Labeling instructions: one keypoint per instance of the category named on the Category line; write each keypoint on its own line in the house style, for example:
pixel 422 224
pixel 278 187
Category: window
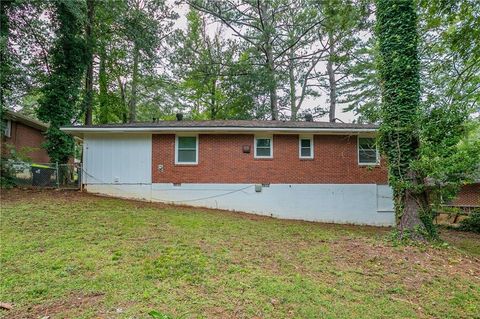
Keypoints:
pixel 306 147
pixel 7 128
pixel 263 147
pixel 367 151
pixel 186 150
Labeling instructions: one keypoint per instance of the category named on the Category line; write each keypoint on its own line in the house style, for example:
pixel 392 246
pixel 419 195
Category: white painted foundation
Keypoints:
pixel 366 204
pixel 120 165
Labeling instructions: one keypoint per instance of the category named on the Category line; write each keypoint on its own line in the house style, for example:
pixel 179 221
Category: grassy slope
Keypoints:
pixel 72 255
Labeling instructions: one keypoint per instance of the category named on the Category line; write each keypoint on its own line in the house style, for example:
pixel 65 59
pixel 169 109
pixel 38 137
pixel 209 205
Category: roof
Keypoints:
pixel 224 126
pixel 31 122
pixel 232 124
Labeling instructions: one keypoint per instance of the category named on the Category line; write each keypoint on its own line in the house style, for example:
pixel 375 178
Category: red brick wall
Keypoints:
pixel 26 136
pixel 469 195
pixel 221 160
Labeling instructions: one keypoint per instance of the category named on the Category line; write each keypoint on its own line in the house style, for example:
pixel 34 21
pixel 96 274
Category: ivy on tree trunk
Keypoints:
pixel 399 132
pixel 61 92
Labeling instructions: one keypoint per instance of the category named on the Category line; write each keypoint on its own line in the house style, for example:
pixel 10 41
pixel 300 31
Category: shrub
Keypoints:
pixel 8 168
pixel 471 223
pixel 7 173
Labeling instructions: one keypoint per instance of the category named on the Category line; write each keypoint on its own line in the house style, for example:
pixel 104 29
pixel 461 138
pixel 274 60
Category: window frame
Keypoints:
pixel 177 149
pixel 7 130
pixel 262 137
pixel 312 152
pixel 377 161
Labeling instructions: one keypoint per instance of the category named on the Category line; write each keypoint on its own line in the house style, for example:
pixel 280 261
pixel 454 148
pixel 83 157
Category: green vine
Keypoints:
pixel 61 92
pixel 399 134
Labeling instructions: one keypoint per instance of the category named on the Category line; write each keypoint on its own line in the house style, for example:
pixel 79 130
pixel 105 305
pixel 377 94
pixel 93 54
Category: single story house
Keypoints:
pixel 315 171
pixel 24 133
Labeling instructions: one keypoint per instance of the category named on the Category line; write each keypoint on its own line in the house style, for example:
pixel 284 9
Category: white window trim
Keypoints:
pixel 376 163
pixel 255 145
pixel 196 149
pixel 8 128
pixel 305 137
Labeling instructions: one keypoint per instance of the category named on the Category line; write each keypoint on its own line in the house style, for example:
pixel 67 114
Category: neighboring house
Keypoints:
pixel 314 171
pixel 468 198
pixel 24 133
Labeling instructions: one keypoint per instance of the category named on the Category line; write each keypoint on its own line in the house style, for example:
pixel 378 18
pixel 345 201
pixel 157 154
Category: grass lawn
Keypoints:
pixel 74 255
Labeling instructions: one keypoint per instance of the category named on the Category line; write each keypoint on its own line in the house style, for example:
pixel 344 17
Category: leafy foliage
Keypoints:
pixel 10 157
pixel 61 92
pixel 471 223
pixel 361 93
pixel 432 147
pixel 399 131
pixel 216 79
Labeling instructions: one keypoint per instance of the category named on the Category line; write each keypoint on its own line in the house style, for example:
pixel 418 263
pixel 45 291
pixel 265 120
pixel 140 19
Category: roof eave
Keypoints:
pixel 80 131
pixel 15 116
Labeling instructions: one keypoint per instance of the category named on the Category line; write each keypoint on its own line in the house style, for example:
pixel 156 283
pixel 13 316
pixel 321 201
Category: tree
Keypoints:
pixel 399 131
pixel 301 62
pixel 345 23
pixel 260 25
pixel 360 92
pixel 145 25
pixel 450 81
pixel 25 42
pixel 431 146
pixel 90 44
pixel 110 104
pixel 5 63
pixel 211 73
pixel 201 65
pixel 61 92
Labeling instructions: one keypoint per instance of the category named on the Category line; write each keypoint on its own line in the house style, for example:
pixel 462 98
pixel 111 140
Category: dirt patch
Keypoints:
pixel 413 265
pixel 74 303
pixel 23 194
pixel 454 236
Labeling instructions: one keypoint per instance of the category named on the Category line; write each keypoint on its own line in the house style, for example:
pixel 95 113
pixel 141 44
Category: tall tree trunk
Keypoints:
pixel 411 204
pixel 89 76
pixel 213 101
pixel 133 101
pixel 103 88
pixel 332 84
pixel 123 98
pixel 399 71
pixel 293 92
pixel 5 63
pixel 273 85
pixel 409 217
pixel 270 63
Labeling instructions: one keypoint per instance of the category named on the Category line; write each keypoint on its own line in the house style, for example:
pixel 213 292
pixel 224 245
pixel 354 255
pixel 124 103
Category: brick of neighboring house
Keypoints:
pixel 22 136
pixel 469 196
pixel 221 160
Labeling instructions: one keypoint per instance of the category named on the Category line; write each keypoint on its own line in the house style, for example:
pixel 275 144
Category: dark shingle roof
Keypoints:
pixel 19 117
pixel 235 124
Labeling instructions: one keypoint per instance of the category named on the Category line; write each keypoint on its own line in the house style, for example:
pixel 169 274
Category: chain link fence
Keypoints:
pixel 63 176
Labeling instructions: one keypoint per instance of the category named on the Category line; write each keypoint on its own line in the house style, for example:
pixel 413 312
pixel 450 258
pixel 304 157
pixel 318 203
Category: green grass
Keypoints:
pixel 71 255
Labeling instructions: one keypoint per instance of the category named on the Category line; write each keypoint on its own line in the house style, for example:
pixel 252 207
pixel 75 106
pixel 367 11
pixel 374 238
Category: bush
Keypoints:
pixel 8 160
pixel 7 173
pixel 471 223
